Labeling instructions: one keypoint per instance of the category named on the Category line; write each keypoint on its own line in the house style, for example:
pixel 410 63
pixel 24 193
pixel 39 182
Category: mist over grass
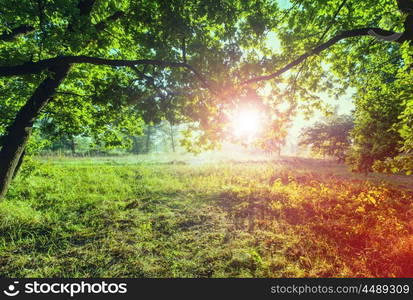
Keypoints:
pixel 214 215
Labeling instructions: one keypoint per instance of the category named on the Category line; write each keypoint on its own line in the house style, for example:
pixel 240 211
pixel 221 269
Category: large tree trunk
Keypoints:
pixel 18 134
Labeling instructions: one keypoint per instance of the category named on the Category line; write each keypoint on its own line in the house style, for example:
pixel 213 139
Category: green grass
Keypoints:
pixel 145 217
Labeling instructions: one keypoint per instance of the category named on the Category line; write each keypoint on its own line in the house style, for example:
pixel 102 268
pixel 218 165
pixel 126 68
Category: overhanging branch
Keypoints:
pixel 322 47
pixel 39 66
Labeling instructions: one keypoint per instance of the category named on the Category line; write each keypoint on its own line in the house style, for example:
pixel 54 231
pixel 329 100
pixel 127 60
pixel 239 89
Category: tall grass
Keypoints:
pixel 129 218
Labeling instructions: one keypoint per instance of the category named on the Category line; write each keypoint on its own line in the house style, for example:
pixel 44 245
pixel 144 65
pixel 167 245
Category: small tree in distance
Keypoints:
pixel 330 138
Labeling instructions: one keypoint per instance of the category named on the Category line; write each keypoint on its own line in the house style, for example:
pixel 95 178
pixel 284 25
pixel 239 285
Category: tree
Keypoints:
pixel 377 133
pixel 330 138
pixel 51 42
pixel 274 137
pixel 132 50
pixel 168 132
pixel 172 136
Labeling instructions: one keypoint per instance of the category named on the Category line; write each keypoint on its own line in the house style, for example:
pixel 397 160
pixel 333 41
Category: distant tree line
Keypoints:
pixel 372 140
pixel 160 137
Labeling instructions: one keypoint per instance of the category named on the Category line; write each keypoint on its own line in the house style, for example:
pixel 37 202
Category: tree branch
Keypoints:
pixel 344 35
pixel 41 65
pixel 333 20
pixel 405 6
pixel 330 25
pixel 71 94
pixel 85 7
pixel 9 36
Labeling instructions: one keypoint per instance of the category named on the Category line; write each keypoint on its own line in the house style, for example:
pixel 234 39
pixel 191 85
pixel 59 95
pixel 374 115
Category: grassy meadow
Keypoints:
pixel 155 216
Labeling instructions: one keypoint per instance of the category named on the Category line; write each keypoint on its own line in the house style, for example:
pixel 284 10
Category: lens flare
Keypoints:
pixel 246 123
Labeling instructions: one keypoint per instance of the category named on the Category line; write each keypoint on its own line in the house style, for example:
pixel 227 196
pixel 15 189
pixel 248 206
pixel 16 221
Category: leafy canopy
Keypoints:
pixel 226 45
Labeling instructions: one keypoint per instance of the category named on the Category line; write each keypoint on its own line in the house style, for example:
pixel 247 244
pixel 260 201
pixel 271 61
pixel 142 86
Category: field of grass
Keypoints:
pixel 154 217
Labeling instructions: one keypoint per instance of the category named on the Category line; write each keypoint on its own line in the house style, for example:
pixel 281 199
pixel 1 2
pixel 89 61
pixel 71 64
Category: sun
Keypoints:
pixel 246 123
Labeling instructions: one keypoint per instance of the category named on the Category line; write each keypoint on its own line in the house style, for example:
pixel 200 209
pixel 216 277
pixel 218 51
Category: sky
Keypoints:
pixel 284 3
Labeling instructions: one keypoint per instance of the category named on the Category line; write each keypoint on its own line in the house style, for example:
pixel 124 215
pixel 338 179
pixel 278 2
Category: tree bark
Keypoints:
pixel 18 133
pixel 19 164
pixel 21 30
